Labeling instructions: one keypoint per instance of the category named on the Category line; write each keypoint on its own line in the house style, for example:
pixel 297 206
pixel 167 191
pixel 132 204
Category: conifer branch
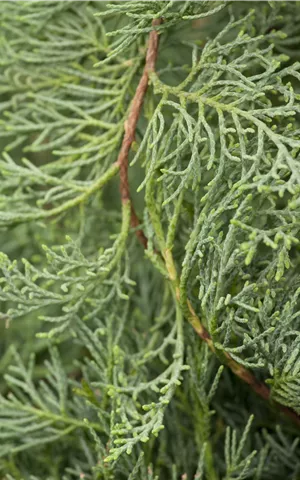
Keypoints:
pixel 131 123
pixel 260 388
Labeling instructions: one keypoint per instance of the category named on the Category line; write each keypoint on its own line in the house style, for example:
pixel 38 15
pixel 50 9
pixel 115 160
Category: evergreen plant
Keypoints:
pixel 150 261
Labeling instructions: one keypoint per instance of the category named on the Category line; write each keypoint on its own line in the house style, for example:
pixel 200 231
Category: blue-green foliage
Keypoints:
pixel 102 376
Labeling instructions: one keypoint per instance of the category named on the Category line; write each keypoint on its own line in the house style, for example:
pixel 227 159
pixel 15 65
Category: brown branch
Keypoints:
pixel 130 127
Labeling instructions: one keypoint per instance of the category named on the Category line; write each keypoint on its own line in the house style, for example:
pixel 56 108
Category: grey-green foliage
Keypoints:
pixel 121 387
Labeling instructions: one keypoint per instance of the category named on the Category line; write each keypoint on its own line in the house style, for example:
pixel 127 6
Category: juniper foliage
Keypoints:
pixel 102 374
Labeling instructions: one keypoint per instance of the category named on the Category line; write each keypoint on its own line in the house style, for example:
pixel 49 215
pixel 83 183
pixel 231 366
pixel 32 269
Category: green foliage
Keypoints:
pixel 102 376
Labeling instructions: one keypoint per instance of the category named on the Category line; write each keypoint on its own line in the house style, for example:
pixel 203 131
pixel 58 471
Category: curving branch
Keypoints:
pixel 130 127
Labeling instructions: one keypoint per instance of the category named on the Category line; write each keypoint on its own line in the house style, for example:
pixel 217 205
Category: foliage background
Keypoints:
pixel 101 375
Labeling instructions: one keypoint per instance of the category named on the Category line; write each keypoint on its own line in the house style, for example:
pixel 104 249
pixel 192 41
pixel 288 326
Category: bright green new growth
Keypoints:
pixel 103 377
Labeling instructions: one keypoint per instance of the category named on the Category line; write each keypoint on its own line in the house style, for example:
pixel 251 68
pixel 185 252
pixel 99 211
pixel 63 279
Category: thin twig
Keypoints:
pixel 130 127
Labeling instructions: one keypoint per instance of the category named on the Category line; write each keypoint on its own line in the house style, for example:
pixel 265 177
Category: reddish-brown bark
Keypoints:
pixel 130 127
